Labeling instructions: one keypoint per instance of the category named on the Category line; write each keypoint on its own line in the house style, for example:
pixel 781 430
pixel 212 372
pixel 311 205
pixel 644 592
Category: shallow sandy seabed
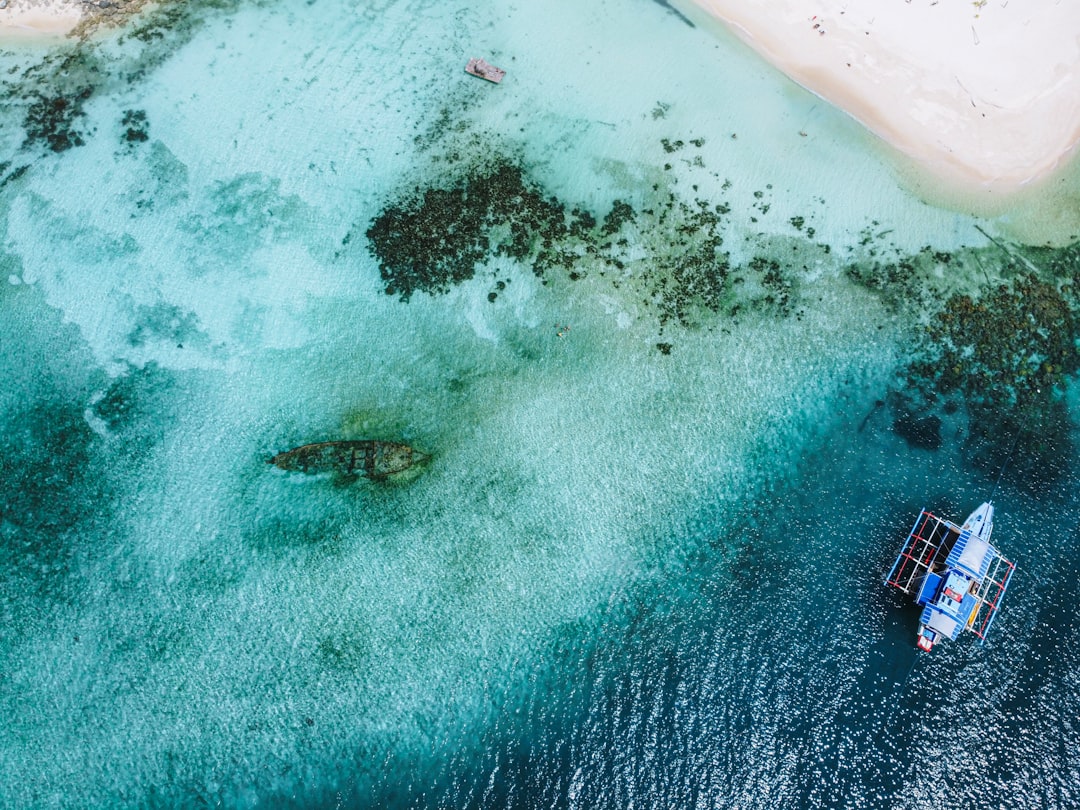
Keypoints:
pixel 979 100
pixel 982 98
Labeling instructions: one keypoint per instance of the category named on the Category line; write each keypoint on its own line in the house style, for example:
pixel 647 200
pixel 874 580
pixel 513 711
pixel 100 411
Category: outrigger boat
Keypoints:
pixel 955 573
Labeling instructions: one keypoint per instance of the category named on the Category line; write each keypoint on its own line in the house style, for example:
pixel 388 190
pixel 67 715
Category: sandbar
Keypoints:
pixel 984 95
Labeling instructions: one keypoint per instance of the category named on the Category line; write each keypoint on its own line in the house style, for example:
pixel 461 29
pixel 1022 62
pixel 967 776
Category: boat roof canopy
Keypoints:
pixel 971 555
pixel 940 623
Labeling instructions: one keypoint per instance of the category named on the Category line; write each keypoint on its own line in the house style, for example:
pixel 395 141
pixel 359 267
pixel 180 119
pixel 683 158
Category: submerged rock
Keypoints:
pixel 369 458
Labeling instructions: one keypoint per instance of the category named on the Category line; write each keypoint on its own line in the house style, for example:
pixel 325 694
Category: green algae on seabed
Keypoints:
pixel 53 91
pixel 1002 351
pixel 431 239
pixel 670 253
pixel 997 341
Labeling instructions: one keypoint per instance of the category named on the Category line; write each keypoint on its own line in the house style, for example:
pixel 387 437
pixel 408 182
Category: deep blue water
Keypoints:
pixel 774 670
pixel 685 385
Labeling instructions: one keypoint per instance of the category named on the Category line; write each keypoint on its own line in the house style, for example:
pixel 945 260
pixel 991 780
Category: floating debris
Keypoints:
pixel 369 458
pixel 478 67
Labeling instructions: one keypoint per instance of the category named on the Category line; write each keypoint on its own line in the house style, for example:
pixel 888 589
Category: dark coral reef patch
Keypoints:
pixel 136 128
pixel 54 120
pixel 996 363
pixel 672 250
pixel 438 237
pixel 1011 347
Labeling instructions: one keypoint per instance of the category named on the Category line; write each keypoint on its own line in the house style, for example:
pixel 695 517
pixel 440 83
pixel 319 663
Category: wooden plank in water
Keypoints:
pixel 478 67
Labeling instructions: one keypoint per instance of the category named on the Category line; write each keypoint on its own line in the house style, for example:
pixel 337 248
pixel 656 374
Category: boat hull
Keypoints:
pixel 366 457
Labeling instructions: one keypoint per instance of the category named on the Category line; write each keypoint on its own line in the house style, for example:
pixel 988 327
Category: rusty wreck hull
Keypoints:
pixel 369 458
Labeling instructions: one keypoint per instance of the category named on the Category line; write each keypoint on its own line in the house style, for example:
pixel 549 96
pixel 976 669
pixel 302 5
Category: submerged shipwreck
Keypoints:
pixel 367 457
pixel 955 573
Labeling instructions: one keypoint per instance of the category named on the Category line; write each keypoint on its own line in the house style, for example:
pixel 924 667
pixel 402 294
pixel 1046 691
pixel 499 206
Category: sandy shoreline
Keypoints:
pixel 986 97
pixel 28 20
pixel 51 21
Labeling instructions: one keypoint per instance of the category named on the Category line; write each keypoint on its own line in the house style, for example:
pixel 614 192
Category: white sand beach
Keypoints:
pixel 985 95
pixel 39 19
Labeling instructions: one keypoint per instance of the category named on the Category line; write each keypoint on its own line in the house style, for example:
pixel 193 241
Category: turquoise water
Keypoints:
pixel 688 361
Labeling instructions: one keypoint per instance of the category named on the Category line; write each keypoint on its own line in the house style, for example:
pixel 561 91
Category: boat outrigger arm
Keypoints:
pixel 955 573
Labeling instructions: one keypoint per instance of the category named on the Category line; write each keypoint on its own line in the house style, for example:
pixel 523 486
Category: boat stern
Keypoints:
pixel 927 637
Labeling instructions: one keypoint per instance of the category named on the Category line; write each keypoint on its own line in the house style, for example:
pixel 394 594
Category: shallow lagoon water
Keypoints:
pixel 643 564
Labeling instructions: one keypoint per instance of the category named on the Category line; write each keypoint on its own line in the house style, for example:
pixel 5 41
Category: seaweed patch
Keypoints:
pixel 1012 347
pixel 135 126
pixel 55 120
pixel 668 252
pixel 438 237
pixel 166 324
pixel 993 364
pixel 51 94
